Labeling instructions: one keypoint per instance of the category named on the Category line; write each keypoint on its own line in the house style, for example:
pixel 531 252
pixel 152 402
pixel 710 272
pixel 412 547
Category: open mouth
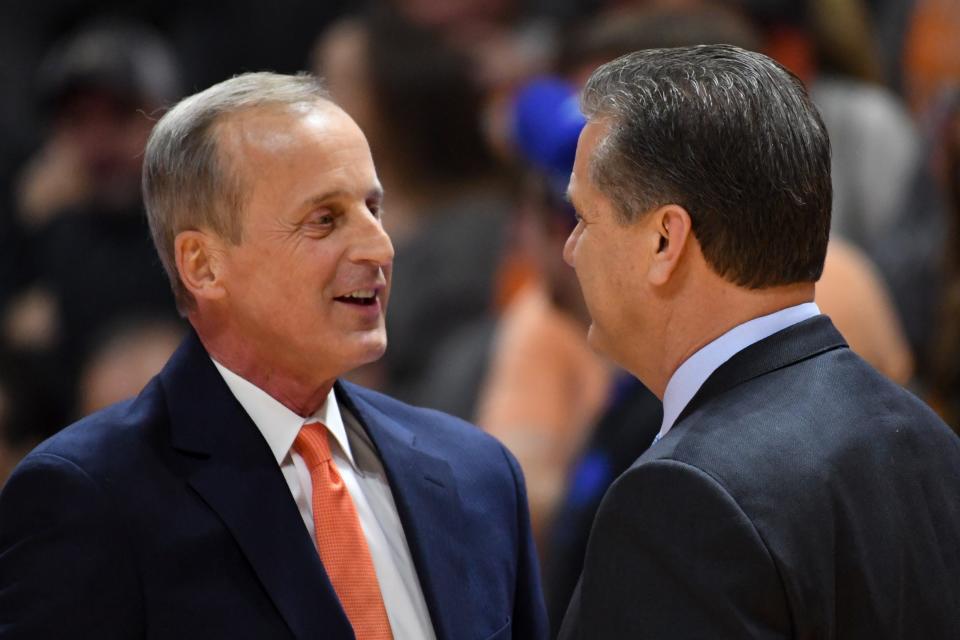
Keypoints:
pixel 362 297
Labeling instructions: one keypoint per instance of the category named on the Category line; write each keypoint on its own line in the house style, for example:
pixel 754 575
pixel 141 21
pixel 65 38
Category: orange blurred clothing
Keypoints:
pixel 544 389
pixel 932 51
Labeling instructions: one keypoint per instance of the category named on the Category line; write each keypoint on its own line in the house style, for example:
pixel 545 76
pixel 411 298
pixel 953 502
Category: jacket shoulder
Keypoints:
pixel 109 437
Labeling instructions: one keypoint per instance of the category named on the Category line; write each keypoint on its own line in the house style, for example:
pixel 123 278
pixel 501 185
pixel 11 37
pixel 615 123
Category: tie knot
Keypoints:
pixel 313 445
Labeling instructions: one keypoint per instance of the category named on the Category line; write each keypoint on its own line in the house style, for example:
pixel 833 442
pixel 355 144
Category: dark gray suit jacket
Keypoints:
pixel 800 495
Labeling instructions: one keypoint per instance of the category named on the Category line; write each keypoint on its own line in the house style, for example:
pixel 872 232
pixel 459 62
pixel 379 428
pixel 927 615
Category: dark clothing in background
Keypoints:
pixel 911 257
pixel 12 247
pixel 443 290
pixel 100 266
pixel 800 495
pixel 625 431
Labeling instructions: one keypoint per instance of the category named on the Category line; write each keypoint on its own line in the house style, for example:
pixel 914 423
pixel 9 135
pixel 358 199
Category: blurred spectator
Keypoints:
pixel 545 386
pixel 830 45
pixel 932 52
pixel 852 293
pixel 915 254
pixel 891 20
pixel 33 406
pixel 418 101
pixel 844 41
pixel 614 33
pixel 572 420
pixel 456 17
pixel 507 40
pixel 98 86
pixel 876 157
pixel 876 152
pixel 626 428
pixel 10 230
pixel 945 352
pixel 129 355
pixel 87 257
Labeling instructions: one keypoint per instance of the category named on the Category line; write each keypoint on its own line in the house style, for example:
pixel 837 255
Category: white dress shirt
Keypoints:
pixel 690 376
pixel 365 479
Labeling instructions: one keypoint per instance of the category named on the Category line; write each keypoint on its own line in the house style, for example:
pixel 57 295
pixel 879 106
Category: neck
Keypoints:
pixel 300 392
pixel 690 327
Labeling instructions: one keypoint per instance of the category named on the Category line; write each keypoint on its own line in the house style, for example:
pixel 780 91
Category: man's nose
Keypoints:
pixel 373 244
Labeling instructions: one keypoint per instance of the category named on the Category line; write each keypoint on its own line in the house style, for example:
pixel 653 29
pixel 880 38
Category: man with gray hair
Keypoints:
pixel 792 491
pixel 247 492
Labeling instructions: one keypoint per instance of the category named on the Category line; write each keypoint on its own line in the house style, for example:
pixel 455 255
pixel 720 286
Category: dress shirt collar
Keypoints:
pixel 690 376
pixel 278 424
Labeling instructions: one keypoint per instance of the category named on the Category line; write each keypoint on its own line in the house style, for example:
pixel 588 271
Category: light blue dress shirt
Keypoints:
pixel 690 376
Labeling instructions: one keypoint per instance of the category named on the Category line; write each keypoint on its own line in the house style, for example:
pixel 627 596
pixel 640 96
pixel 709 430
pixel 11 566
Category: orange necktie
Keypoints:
pixel 340 540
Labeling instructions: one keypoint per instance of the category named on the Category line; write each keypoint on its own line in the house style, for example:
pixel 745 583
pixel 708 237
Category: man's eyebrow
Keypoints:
pixel 375 193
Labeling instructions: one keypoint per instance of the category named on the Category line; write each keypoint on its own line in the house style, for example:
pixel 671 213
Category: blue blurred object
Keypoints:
pixel 546 125
pixel 591 478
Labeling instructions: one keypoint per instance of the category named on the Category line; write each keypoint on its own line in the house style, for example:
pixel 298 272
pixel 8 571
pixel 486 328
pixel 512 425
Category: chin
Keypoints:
pixel 603 345
pixel 370 349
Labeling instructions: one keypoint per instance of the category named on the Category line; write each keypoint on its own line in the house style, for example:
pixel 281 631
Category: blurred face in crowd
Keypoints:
pixel 543 227
pixel 607 256
pixel 122 366
pixel 109 134
pixel 341 60
pixel 454 14
pixel 307 286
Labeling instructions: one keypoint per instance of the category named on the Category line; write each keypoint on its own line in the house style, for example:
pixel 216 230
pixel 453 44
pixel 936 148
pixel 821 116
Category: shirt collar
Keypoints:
pixel 278 424
pixel 690 376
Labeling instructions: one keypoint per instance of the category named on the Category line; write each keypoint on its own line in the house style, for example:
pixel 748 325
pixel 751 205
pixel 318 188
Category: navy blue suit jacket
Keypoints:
pixel 166 516
pixel 799 495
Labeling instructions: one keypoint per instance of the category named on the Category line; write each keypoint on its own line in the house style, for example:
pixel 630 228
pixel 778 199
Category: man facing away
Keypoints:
pixel 246 492
pixel 792 491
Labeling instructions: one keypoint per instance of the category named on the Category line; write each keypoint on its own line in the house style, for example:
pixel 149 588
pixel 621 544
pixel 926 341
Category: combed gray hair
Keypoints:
pixel 187 184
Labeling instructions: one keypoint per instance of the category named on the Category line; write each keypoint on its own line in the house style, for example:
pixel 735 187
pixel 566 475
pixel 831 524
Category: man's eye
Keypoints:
pixel 320 222
pixel 374 208
pixel 321 218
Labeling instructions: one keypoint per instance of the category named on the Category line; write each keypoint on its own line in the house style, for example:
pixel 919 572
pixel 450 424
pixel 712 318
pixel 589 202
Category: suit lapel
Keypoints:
pixel 428 504
pixel 801 341
pixel 232 469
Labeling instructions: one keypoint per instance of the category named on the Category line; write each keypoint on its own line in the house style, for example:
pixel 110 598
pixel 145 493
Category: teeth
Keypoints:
pixel 362 294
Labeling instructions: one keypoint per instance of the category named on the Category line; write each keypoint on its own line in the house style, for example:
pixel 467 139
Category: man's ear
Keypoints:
pixel 199 263
pixel 674 229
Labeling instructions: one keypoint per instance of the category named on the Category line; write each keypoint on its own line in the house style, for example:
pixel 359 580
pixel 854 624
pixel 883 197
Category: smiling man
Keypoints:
pixel 246 492
pixel 792 491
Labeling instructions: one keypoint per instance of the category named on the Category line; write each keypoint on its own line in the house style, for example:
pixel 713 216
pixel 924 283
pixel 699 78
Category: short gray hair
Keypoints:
pixel 186 182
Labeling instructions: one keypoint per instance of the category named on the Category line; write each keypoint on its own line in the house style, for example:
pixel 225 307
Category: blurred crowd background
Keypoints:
pixel 470 107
